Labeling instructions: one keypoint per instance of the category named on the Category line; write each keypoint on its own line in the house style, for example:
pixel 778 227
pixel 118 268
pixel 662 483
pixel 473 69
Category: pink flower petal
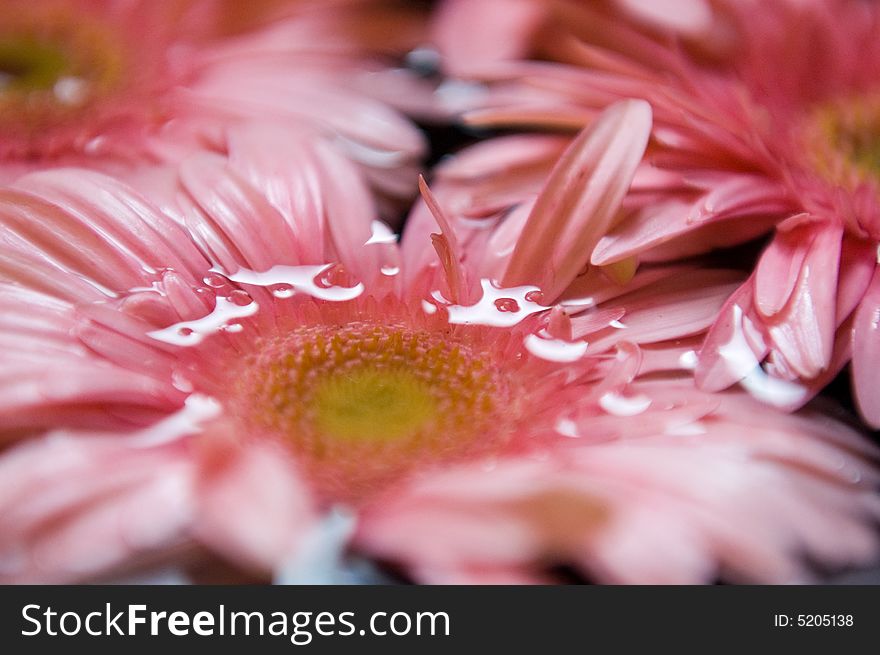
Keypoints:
pixel 447 248
pixel 131 229
pixel 734 346
pixel 63 522
pixel 779 266
pixel 713 501
pixel 580 200
pixel 866 353
pixel 742 204
pixel 692 17
pixel 253 507
pixel 804 331
pixel 460 30
pixel 231 209
pixel 670 309
pixel 857 262
pixel 502 155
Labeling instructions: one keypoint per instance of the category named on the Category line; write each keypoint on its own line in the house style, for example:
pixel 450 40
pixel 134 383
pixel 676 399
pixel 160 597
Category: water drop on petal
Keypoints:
pixel 555 350
pixel 381 233
pixel 283 291
pixel 240 298
pixel 535 295
pixel 688 360
pixel 567 428
pixel 214 280
pixel 507 305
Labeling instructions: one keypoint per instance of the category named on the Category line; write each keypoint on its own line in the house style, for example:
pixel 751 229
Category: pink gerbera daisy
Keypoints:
pixel 170 390
pixel 767 116
pixel 117 85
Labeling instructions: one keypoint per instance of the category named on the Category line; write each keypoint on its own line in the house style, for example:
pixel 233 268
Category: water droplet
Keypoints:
pixel 71 91
pixel 215 281
pixel 197 410
pixel 507 305
pixel 240 298
pixel 190 333
pixel 95 146
pixel 181 383
pixel 512 309
pixel 688 429
pixel 619 405
pixel 688 360
pixel 742 362
pixel 328 277
pixel 535 296
pixel 283 291
pixel 737 353
pixel 771 390
pixel 429 307
pixel 390 271
pixel 617 325
pixel 232 327
pixel 567 428
pixel 381 233
pixel 318 281
pixel 555 350
pixel 580 304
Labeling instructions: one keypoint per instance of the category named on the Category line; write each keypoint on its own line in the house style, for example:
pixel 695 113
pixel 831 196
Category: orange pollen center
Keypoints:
pixel 360 404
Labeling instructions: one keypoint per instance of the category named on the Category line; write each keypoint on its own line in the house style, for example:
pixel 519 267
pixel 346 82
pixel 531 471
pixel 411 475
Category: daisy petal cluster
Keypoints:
pixel 765 122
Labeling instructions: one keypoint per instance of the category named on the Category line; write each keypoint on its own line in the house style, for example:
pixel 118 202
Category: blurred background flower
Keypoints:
pixel 765 118
pixel 123 86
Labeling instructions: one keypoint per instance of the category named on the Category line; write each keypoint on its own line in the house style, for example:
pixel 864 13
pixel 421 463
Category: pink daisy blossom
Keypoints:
pixel 118 86
pixel 215 381
pixel 767 117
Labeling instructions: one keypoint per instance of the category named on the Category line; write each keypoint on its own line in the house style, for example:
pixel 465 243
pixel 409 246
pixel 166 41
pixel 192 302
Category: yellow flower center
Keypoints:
pixel 26 64
pixel 367 404
pixel 844 138
pixel 359 404
pixel 54 68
